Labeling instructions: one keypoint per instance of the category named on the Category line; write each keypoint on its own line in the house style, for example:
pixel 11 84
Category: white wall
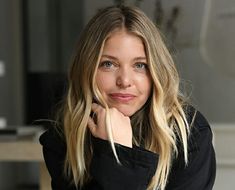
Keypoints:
pixel 224 140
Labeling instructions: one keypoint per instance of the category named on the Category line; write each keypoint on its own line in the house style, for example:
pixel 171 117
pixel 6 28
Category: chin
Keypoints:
pixel 126 112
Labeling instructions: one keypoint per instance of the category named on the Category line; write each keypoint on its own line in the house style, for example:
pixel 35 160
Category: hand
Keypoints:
pixel 120 125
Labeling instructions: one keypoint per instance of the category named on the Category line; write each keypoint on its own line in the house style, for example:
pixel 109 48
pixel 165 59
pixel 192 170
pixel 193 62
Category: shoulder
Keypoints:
pixel 196 119
pixel 200 133
pixel 201 156
pixel 53 139
pixel 199 142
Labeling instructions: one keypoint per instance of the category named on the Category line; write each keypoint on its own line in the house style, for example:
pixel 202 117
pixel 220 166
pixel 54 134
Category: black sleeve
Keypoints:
pixel 54 151
pixel 134 173
pixel 199 174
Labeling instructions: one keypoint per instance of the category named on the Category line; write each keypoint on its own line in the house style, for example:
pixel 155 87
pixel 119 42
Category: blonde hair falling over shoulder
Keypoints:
pixel 166 120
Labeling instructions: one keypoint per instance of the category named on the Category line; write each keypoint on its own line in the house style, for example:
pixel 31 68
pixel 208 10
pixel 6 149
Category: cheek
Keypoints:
pixel 145 85
pixel 104 81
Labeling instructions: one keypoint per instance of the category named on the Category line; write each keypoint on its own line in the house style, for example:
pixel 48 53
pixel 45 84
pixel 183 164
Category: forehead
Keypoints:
pixel 121 40
pixel 122 32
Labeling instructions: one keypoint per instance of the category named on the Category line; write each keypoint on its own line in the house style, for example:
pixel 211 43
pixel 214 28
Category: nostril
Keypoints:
pixel 124 78
pixel 119 82
pixel 123 83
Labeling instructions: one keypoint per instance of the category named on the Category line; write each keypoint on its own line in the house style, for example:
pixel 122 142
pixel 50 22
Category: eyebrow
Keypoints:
pixel 115 58
pixel 109 57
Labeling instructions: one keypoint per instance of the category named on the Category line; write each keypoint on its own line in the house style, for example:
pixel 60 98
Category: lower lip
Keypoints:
pixel 124 99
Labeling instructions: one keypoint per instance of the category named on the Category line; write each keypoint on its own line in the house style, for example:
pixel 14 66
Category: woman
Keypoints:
pixel 125 123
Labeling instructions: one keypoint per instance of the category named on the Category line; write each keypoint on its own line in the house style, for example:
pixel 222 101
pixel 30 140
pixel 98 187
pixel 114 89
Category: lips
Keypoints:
pixel 121 97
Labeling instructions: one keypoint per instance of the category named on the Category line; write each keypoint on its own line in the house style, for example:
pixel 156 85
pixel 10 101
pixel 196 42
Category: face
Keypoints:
pixel 123 77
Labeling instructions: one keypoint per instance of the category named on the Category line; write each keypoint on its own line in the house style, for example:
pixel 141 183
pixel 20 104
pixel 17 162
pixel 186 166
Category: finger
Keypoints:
pixel 94 117
pixel 92 126
pixel 96 107
pixel 97 113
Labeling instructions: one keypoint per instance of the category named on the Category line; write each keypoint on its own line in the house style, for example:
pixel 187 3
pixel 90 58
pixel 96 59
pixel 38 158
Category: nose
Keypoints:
pixel 124 78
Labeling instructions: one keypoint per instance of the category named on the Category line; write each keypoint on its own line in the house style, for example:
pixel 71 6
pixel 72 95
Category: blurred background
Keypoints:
pixel 37 38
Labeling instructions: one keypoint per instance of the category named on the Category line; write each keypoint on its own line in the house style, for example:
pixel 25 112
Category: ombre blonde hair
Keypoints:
pixel 156 131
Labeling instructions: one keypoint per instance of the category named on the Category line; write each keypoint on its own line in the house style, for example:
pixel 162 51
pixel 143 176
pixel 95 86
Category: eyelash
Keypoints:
pixel 104 64
pixel 142 64
pixel 110 64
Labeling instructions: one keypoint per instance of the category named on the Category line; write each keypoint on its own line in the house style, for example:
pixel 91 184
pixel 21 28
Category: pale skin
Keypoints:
pixel 125 83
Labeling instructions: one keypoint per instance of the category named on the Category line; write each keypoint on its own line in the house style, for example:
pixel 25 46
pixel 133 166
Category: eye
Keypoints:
pixel 141 65
pixel 106 64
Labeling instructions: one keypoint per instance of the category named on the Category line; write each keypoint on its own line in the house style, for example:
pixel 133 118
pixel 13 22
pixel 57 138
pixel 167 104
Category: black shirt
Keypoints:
pixel 138 165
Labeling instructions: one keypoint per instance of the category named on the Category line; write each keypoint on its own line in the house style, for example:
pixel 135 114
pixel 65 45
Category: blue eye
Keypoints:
pixel 141 65
pixel 106 64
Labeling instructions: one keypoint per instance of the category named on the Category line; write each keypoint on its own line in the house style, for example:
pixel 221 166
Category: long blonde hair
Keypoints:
pixel 165 121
